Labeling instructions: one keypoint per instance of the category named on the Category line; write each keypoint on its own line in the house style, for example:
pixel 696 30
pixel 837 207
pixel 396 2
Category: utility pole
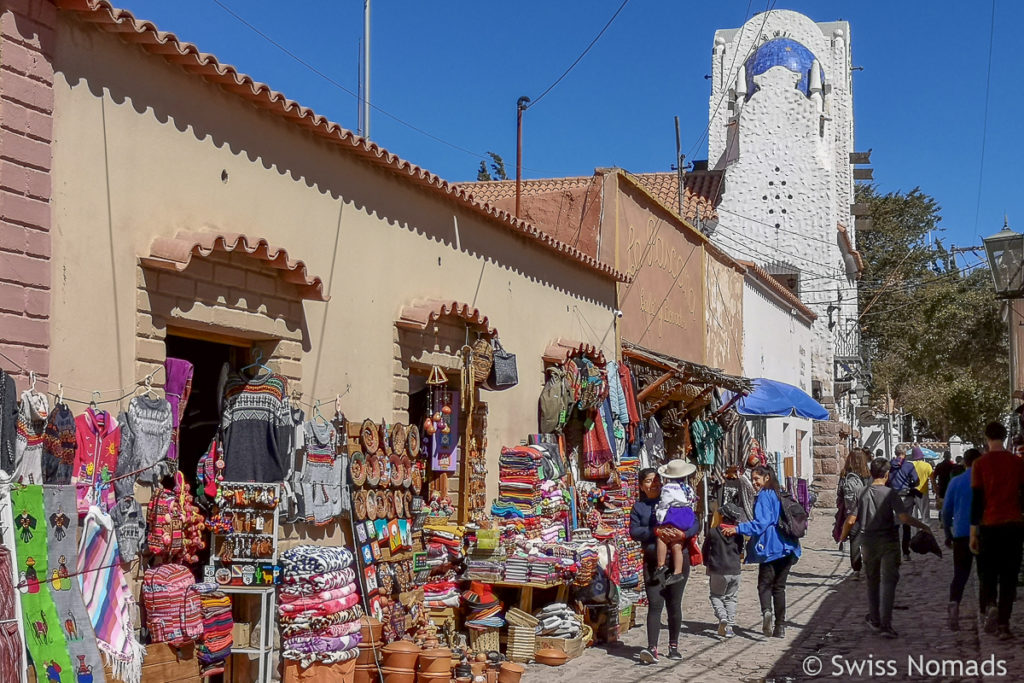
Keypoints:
pixel 521 105
pixel 366 69
pixel 680 170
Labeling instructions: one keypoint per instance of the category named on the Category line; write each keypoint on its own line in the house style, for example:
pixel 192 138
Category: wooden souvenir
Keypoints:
pixel 399 439
pixel 357 468
pixel 369 437
pixel 413 440
pixel 397 475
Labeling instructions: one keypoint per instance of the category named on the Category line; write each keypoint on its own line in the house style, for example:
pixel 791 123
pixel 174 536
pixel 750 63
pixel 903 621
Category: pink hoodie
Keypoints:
pixel 99 439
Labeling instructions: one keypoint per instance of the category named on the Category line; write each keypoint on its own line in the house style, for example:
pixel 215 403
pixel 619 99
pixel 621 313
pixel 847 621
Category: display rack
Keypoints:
pixel 268 609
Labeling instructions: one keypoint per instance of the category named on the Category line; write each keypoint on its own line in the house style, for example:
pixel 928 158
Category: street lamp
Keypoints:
pixel 1006 261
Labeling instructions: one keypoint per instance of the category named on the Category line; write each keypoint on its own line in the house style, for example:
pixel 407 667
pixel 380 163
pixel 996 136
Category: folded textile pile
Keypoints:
pixel 214 646
pixel 441 594
pixel 484 565
pixel 557 620
pixel 444 545
pixel 517 568
pixel 319 605
pixel 519 493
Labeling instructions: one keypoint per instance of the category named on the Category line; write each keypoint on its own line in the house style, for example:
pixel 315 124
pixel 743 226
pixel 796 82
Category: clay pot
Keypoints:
pixel 401 655
pixel 434 677
pixel 551 657
pixel 366 673
pixel 368 653
pixel 398 676
pixel 437 660
pixel 510 672
pixel 478 668
pixel 371 629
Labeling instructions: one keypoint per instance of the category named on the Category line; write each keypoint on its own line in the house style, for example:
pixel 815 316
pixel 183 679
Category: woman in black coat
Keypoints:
pixel 642 525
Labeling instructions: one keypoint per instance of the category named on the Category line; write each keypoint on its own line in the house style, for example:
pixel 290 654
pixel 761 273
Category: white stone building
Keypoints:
pixel 781 130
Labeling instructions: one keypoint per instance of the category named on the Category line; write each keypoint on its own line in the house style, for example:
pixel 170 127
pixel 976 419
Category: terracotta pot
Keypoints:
pixel 366 673
pixel 371 629
pixel 510 672
pixel 368 653
pixel 478 668
pixel 401 655
pixel 551 657
pixel 437 660
pixel 434 677
pixel 398 676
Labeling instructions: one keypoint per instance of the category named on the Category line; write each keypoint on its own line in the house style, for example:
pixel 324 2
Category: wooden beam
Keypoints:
pixel 653 386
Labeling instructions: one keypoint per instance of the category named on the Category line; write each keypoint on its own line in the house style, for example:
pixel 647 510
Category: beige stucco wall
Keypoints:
pixel 141 149
pixel 723 292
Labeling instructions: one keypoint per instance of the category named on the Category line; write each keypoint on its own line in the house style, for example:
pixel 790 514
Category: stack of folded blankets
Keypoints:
pixel 519 493
pixel 586 561
pixel 554 498
pixel 441 594
pixel 517 568
pixel 319 606
pixel 444 545
pixel 215 644
pixel 557 620
pixel 485 565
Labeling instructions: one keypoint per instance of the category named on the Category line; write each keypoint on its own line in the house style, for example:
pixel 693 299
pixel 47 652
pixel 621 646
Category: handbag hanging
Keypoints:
pixel 504 374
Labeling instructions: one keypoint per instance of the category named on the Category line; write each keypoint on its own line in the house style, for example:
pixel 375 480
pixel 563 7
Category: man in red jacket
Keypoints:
pixel 997 528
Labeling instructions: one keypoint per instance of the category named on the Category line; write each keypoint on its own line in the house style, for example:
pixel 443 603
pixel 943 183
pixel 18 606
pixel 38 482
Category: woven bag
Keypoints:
pixel 483 359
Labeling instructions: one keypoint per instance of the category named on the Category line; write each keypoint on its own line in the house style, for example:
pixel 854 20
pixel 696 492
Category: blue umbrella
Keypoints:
pixel 778 399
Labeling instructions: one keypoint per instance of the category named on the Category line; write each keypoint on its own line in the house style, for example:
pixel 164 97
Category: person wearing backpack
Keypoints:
pixel 879 509
pixel 904 481
pixel 774 545
pixel 855 477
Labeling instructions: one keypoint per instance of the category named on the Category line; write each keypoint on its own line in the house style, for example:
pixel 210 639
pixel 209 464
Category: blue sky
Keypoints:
pixel 456 69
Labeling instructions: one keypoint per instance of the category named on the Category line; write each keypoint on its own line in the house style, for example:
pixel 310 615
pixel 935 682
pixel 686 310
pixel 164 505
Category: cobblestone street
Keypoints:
pixel 826 620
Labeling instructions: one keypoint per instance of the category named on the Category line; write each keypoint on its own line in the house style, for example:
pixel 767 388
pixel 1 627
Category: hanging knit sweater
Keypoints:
pixel 145 437
pixel 322 471
pixel 59 445
pixel 254 428
pixel 28 451
pixel 8 421
pixel 98 438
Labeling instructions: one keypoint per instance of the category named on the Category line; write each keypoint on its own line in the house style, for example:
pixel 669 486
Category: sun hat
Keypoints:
pixel 677 469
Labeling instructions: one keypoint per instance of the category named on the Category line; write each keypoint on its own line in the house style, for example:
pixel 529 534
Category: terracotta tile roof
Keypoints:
pixel 783 293
pixel 560 350
pixel 419 314
pixel 701 190
pixel 106 17
pixel 175 253
pixel 844 234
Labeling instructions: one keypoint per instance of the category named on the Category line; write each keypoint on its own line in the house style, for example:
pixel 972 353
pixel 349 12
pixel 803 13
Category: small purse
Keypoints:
pixel 504 373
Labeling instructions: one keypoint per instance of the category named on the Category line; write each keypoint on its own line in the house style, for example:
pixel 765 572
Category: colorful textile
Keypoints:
pixel 177 388
pixel 255 428
pixel 8 421
pixel 46 641
pixel 317 582
pixel 309 559
pixel 323 471
pixel 215 644
pixel 705 434
pixel 98 438
pixel 28 449
pixel 59 445
pixel 62 560
pixel 108 599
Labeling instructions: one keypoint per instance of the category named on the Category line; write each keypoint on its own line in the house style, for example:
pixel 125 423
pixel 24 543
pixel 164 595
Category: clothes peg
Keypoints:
pixel 32 379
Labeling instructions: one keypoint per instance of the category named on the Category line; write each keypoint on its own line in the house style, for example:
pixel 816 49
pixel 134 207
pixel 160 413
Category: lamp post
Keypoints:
pixel 1005 251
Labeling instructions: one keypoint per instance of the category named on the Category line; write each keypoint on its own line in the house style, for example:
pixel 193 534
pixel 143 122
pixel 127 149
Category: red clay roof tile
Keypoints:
pixel 419 314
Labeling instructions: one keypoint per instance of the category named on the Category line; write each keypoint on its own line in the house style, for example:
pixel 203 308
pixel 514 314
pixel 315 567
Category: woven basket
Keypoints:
pixel 483 359
pixel 484 639
pixel 517 617
pixel 522 644
pixel 573 647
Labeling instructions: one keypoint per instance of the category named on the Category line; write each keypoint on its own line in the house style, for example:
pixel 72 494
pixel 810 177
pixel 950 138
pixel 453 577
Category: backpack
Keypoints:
pixel 792 517
pixel 555 401
pixel 593 387
pixel 173 606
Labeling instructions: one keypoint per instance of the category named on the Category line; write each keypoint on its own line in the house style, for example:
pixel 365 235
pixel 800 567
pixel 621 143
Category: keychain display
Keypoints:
pixel 244 527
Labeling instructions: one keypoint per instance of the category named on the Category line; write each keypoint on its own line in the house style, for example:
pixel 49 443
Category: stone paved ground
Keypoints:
pixel 826 620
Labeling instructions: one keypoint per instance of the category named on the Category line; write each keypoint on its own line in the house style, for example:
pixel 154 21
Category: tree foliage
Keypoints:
pixel 497 169
pixel 932 329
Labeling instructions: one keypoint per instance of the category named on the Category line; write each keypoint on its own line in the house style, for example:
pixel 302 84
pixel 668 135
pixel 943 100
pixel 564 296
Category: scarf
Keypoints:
pixel 108 598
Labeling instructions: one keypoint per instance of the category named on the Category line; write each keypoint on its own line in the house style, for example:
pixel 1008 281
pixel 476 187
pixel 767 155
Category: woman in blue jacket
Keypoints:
pixel 775 553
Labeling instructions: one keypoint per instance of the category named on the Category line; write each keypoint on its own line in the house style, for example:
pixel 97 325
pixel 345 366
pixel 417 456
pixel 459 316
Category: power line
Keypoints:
pixel 341 87
pixel 906 286
pixel 984 125
pixel 582 55
pixel 770 246
pixel 771 225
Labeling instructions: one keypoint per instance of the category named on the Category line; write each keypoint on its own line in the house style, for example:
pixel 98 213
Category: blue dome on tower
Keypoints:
pixel 781 52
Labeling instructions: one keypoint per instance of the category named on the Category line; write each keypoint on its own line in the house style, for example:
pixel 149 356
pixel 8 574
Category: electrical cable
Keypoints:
pixel 582 55
pixel 984 125
pixel 773 226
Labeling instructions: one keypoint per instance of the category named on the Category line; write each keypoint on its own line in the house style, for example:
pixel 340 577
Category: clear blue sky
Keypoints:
pixel 456 69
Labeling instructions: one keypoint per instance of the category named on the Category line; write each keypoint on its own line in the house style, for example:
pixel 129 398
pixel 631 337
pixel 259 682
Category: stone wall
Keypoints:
pixel 26 132
pixel 830 451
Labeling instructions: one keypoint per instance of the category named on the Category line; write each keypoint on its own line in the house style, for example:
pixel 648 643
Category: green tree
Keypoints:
pixel 933 332
pixel 497 170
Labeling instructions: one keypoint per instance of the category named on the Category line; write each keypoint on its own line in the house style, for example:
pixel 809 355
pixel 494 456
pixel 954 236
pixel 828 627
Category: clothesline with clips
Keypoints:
pixel 49 579
pixel 96 395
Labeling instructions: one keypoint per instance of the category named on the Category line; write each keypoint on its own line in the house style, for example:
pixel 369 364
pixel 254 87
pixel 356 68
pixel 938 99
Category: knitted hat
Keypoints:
pixel 130 527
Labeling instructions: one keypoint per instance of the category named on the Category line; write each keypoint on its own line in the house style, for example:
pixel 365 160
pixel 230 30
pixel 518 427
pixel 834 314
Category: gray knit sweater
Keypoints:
pixel 145 437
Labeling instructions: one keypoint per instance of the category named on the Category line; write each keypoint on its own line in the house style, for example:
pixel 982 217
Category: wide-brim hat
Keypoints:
pixel 677 469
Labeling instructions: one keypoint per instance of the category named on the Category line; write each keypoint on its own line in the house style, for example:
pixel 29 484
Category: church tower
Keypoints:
pixel 781 131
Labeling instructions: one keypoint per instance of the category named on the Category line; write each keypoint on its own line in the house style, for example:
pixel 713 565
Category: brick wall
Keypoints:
pixel 26 125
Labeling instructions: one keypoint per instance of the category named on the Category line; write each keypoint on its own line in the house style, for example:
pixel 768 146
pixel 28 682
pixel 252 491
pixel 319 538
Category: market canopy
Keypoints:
pixel 778 399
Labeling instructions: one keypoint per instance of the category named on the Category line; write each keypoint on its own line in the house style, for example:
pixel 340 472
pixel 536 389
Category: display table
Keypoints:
pixel 526 592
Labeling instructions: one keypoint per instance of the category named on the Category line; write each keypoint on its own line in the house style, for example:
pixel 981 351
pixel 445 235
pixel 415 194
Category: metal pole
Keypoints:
pixel 366 68
pixel 679 169
pixel 520 108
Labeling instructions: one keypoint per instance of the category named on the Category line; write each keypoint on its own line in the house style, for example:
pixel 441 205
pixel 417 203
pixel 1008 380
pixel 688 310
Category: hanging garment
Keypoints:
pixel 130 527
pixel 98 440
pixel 8 421
pixel 28 450
pixel 705 434
pixel 11 646
pixel 321 479
pixel 254 428
pixel 654 440
pixel 59 445
pixel 177 388
pixel 628 384
pixel 288 508
pixel 108 599
pixel 44 635
pixel 616 393
pixel 146 431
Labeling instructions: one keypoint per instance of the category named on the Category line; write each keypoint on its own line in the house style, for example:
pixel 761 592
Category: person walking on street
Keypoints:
pixel 956 521
pixel 773 552
pixel 924 476
pixel 958 467
pixel 903 480
pixel 722 558
pixel 941 475
pixel 643 528
pixel 997 532
pixel 878 510
pixel 854 478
